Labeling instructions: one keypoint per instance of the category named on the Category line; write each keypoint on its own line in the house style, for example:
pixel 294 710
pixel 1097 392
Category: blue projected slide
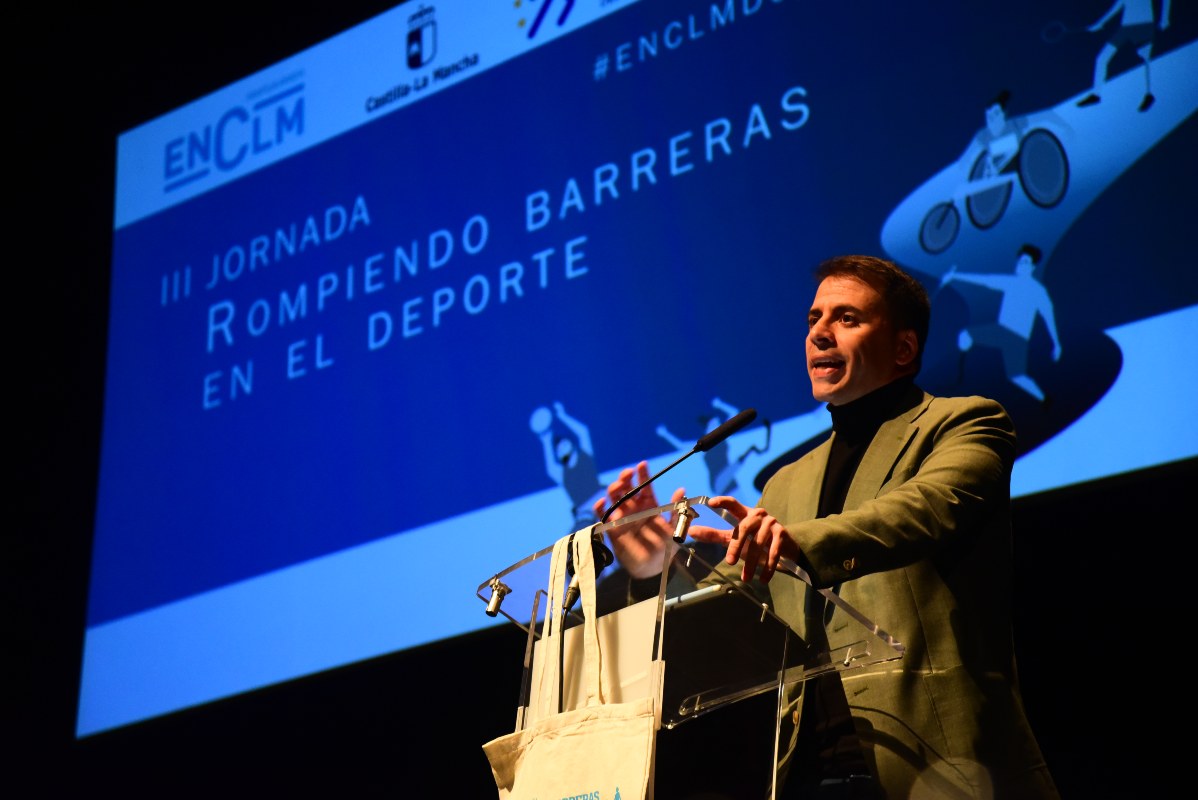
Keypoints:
pixel 387 315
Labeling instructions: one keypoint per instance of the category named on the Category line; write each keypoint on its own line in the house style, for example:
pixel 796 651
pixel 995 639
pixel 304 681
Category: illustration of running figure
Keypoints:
pixel 1023 298
pixel 569 459
pixel 721 468
pixel 1137 28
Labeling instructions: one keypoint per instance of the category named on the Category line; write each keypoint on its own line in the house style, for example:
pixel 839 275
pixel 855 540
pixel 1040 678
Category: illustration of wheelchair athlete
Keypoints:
pixel 1002 153
pixel 722 467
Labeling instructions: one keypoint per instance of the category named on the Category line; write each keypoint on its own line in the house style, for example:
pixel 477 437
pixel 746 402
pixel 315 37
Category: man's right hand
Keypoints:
pixel 643 546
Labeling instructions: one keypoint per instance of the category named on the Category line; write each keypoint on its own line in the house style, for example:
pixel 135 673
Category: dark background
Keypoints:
pixel 1099 628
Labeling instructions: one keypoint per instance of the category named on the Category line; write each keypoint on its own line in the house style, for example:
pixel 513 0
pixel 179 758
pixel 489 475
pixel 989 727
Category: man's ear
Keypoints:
pixel 908 347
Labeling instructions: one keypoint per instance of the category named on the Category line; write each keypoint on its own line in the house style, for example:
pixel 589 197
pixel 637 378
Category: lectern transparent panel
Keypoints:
pixel 719 637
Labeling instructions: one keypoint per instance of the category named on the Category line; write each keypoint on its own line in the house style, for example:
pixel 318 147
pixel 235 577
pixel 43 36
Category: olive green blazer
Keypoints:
pixel 923 549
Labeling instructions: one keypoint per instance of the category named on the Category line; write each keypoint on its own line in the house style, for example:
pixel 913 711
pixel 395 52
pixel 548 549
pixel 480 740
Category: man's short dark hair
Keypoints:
pixel 905 298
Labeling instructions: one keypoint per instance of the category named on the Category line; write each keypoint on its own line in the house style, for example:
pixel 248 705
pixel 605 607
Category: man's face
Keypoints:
pixel 852 345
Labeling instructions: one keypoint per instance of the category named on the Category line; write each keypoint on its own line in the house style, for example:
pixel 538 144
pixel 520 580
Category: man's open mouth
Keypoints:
pixel 823 366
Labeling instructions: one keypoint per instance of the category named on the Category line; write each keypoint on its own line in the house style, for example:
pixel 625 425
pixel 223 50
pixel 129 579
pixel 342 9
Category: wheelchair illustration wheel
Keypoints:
pixel 987 206
pixel 1043 168
pixel 939 228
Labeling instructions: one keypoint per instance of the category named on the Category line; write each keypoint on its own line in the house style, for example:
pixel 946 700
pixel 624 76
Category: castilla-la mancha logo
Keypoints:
pixel 422 37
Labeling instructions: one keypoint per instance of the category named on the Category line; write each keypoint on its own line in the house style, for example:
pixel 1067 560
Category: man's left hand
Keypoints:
pixel 758 540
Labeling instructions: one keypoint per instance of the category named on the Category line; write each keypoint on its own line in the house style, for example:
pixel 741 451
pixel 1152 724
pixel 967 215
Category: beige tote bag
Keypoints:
pixel 599 751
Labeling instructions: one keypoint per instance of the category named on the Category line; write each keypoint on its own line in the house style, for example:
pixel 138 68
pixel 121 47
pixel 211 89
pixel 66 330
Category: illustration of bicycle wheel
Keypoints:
pixel 939 228
pixel 1043 168
pixel 987 206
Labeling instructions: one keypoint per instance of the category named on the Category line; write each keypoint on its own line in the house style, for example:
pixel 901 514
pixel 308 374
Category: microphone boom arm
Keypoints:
pixel 705 443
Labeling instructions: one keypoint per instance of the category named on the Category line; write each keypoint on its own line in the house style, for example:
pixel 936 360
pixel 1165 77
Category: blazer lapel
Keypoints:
pixel 811 481
pixel 889 444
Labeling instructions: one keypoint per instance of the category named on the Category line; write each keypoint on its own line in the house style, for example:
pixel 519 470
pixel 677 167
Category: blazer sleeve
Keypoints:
pixel 931 482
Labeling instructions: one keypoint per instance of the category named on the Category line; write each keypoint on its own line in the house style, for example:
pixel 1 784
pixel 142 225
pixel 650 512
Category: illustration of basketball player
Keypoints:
pixel 569 458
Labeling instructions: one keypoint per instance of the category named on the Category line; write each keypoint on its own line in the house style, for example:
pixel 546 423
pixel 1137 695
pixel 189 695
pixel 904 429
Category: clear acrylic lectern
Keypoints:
pixel 717 641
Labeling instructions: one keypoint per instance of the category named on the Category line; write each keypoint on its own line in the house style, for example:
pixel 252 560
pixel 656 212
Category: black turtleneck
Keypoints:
pixel 854 425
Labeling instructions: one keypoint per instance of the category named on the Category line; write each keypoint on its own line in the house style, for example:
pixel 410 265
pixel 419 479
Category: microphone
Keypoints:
pixel 730 426
pixel 603 556
pixel 705 443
